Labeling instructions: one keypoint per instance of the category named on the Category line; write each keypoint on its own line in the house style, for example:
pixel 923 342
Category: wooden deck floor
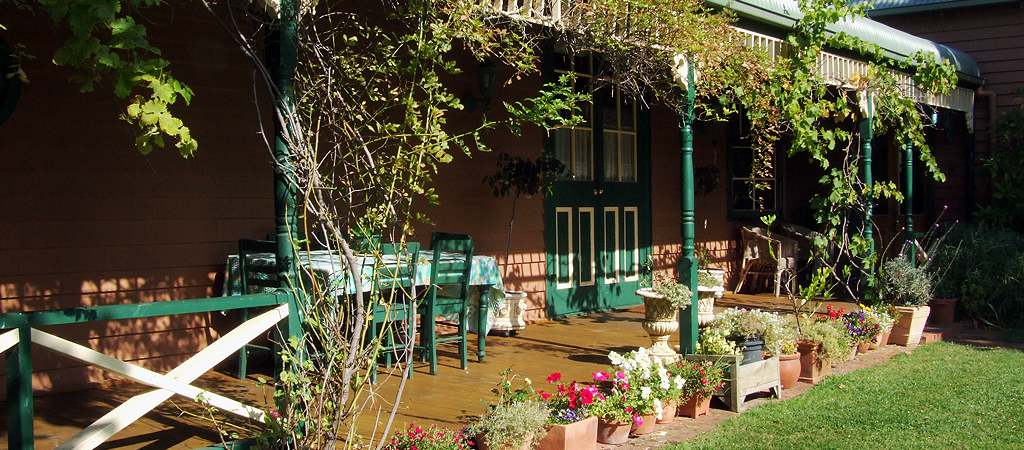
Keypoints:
pixel 574 346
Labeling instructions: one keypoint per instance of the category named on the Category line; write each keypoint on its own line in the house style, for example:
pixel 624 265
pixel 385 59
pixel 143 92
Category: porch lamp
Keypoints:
pixel 485 73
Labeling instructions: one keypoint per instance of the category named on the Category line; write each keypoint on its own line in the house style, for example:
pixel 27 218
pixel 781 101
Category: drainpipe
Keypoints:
pixel 283 58
pixel 908 201
pixel 688 263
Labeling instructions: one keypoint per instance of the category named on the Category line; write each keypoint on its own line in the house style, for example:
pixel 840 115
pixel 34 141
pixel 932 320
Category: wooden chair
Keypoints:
pixel 391 304
pixel 450 268
pixel 254 278
pixel 765 255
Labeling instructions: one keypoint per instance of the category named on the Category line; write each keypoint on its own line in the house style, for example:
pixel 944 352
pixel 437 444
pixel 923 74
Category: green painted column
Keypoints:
pixel 282 59
pixel 866 135
pixel 688 263
pixel 908 201
pixel 20 413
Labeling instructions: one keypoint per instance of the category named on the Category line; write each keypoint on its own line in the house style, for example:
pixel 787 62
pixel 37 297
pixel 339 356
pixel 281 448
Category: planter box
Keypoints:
pixel 745 379
pixel 812 368
pixel 907 330
pixel 581 435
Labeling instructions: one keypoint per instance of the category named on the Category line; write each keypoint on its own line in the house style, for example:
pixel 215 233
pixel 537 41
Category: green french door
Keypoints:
pixel 597 218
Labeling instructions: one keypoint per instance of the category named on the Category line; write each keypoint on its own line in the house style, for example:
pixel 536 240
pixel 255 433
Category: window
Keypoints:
pixel 750 194
pixel 618 118
pixel 574 147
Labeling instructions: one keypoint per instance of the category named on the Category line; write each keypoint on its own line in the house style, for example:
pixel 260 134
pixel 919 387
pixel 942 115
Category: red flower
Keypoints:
pixel 554 377
pixel 544 395
pixel 587 396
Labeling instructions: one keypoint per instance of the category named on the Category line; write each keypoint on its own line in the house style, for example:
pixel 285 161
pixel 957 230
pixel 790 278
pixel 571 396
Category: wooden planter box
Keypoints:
pixel 745 379
pixel 581 435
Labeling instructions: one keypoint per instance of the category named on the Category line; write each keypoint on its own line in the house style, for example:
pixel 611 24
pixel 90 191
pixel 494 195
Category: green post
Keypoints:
pixel 688 263
pixel 285 215
pixel 866 135
pixel 19 392
pixel 908 201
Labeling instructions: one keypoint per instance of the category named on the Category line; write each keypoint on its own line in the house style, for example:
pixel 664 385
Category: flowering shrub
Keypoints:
pixel 432 438
pixel 736 325
pixel 715 341
pixel 700 378
pixel 883 315
pixel 570 402
pixel 860 328
pixel 637 385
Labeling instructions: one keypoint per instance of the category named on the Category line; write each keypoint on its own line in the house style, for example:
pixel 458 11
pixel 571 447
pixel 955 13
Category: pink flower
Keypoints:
pixel 638 421
pixel 275 414
pixel 620 375
pixel 554 377
pixel 600 375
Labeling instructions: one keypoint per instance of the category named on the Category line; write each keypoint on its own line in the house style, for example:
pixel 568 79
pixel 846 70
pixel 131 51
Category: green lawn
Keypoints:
pixel 942 396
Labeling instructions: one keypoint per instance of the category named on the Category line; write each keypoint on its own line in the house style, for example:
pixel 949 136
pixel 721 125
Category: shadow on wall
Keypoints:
pixel 724 255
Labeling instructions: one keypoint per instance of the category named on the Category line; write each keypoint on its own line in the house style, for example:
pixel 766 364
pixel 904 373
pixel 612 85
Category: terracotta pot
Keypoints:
pixel 581 435
pixel 863 347
pixel 612 432
pixel 695 406
pixel 943 312
pixel 812 368
pixel 668 411
pixel 907 330
pixel 789 370
pixel 481 444
pixel 647 427
pixel 880 341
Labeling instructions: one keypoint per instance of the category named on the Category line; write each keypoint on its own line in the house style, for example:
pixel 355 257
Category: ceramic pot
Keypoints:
pixel 812 367
pixel 581 435
pixel 943 312
pixel 863 347
pixel 481 444
pixel 613 433
pixel 694 407
pixel 660 322
pixel 789 370
pixel 668 412
pixel 510 316
pixel 646 427
pixel 907 330
pixel 706 303
pixel 752 350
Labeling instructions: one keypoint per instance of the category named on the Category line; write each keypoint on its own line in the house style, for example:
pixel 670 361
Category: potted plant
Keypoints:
pixel 708 289
pixel 518 177
pixel 822 342
pixel 614 420
pixel 747 328
pixel 515 421
pixel 701 380
pixel 661 307
pixel 789 357
pixel 571 426
pixel 862 329
pixel 669 391
pixel 708 276
pixel 433 437
pixel 908 289
pixel 882 314
pixel 637 377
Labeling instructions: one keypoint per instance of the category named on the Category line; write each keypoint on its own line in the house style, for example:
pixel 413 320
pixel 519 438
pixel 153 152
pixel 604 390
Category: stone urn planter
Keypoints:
pixel 706 302
pixel 943 312
pixel 645 427
pixel 694 407
pixel 613 433
pixel 813 368
pixel 719 276
pixel 580 435
pixel 789 370
pixel 509 317
pixel 908 328
pixel 660 322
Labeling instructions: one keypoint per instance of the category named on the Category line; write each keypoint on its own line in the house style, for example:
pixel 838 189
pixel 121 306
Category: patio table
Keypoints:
pixel 484 275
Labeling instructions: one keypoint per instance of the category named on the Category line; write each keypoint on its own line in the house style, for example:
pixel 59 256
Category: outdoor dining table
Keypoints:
pixel 330 266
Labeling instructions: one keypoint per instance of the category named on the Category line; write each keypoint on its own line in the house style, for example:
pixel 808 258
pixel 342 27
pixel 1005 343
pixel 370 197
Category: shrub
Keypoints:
pixel 511 425
pixel 432 438
pixel 902 284
pixel 700 378
pixel 832 335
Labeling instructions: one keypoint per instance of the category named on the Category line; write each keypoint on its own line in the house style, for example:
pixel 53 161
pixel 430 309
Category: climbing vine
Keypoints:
pixel 108 48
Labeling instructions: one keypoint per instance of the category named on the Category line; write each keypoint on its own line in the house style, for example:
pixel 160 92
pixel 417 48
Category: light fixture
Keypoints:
pixel 485 73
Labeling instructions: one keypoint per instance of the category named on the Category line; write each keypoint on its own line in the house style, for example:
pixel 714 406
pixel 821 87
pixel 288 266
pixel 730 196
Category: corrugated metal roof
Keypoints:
pixel 896 43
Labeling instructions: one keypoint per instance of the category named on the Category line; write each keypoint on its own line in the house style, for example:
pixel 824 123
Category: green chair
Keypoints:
pixel 448 293
pixel 392 304
pixel 254 278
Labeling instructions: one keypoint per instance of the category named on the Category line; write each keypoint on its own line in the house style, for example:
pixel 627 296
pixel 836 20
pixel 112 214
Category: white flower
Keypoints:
pixel 615 358
pixel 665 384
pixel 659 408
pixel 645 392
pixel 679 382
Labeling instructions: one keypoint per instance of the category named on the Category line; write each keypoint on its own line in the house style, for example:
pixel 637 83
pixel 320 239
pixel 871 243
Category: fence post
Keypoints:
pixel 19 392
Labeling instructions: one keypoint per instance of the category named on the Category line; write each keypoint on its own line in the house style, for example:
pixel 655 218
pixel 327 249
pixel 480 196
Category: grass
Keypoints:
pixel 940 396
